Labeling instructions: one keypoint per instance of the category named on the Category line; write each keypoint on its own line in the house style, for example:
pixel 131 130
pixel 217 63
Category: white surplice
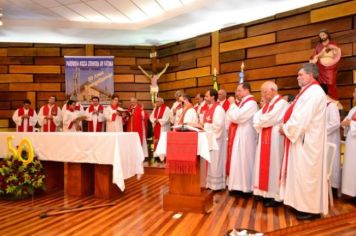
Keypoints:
pixel 333 136
pixel 216 173
pixel 244 145
pixel 305 186
pixel 95 117
pixel 112 125
pixel 57 120
pixel 191 116
pixel 79 112
pixel 273 119
pixel 349 166
pixel 68 120
pixel 31 121
pixel 164 121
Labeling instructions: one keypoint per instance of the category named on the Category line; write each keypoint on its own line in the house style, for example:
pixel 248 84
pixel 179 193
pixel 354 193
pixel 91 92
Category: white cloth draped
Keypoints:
pixel 31 121
pixel 244 146
pixel 305 187
pixel 333 136
pixel 216 173
pixel 349 166
pixel 68 118
pixel 121 150
pixel 272 119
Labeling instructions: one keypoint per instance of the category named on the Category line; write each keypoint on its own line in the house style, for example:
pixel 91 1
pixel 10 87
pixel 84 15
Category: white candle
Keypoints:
pixel 214 71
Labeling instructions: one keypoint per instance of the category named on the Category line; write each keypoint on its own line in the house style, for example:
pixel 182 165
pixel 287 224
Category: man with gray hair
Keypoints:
pixel 159 119
pixel 177 108
pixel 303 174
pixel 269 152
pixel 222 100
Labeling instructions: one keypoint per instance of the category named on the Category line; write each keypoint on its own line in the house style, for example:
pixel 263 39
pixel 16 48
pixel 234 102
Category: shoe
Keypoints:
pixel 306 216
pixel 271 203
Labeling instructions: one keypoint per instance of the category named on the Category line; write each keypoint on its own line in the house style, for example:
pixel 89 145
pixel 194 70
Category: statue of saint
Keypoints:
pixel 154 78
pixel 327 56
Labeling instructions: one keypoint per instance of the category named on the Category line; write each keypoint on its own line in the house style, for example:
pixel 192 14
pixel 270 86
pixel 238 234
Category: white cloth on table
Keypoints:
pixel 121 150
pixel 349 166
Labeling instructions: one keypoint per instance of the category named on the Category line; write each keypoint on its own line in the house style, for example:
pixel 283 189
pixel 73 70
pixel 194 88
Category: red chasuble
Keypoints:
pixel 182 152
pixel 286 117
pixel 158 114
pixel 99 125
pixel 265 153
pixel 21 127
pixel 231 136
pixel 54 112
pixel 134 123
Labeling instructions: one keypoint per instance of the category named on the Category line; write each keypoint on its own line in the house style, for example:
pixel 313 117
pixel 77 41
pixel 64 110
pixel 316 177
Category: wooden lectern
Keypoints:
pixel 185 192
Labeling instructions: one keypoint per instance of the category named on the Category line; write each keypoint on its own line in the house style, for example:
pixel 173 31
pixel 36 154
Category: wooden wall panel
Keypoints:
pixel 232 34
pixel 3 52
pixel 203 61
pixel 198 72
pixel 125 61
pixel 331 12
pixel 277 48
pixel 279 24
pixel 124 78
pixel 35 87
pixel 16 60
pixel 254 63
pixel 15 78
pixel 272 72
pixel 313 29
pixel 35 69
pixel 232 55
pixel 176 85
pixel 248 42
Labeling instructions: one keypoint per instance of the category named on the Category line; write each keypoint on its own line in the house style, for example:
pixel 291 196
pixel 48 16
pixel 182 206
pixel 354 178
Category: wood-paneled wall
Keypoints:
pixel 36 71
pixel 272 49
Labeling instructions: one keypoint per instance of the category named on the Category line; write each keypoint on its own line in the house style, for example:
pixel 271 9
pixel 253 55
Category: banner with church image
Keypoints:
pixel 88 76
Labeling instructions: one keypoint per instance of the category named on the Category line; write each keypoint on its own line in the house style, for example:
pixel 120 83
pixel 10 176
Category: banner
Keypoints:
pixel 88 76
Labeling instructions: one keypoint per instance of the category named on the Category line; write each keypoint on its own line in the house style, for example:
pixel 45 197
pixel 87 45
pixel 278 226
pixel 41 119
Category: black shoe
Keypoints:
pixel 307 216
pixel 269 202
pixel 258 198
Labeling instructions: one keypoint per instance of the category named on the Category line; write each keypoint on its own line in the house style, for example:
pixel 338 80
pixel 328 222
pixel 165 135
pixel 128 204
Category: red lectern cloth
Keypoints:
pixel 182 152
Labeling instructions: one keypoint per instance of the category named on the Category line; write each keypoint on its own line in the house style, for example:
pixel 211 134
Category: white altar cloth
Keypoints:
pixel 206 143
pixel 121 150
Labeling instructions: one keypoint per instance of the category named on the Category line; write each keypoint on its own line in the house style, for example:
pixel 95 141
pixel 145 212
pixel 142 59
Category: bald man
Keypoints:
pixel 222 100
pixel 269 152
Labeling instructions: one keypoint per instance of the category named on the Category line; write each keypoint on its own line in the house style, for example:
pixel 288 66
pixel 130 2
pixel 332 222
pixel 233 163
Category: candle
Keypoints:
pixel 214 71
pixel 242 66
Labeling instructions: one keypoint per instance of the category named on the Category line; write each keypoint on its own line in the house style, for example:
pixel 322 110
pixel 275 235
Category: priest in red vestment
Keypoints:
pixel 50 116
pixel 95 115
pixel 137 122
pixel 222 100
pixel 25 117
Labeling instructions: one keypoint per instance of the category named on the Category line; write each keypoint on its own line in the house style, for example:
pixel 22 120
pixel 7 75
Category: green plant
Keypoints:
pixel 19 180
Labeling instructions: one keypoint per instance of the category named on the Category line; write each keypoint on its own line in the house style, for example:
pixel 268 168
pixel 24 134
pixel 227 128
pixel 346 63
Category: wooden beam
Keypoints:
pixel 35 87
pixel 331 12
pixel 198 72
pixel 16 78
pixel 27 69
pixel 89 50
pixel 215 61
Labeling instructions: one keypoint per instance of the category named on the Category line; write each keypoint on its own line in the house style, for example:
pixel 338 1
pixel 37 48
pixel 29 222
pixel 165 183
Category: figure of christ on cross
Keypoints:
pixel 154 78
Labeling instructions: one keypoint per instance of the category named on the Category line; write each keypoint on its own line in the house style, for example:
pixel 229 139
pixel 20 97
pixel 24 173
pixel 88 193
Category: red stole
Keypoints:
pixel 209 113
pixel 286 117
pixel 231 136
pixel 54 112
pixel 226 105
pixel 265 152
pixel 158 114
pixel 21 127
pixel 135 121
pixel 181 120
pixel 99 125
pixel 353 118
pixel 113 117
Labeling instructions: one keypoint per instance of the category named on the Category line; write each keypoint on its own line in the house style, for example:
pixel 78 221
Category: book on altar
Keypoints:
pixel 186 128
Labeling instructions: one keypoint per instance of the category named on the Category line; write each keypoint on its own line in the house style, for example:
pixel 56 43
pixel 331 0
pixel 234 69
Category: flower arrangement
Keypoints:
pixel 18 179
